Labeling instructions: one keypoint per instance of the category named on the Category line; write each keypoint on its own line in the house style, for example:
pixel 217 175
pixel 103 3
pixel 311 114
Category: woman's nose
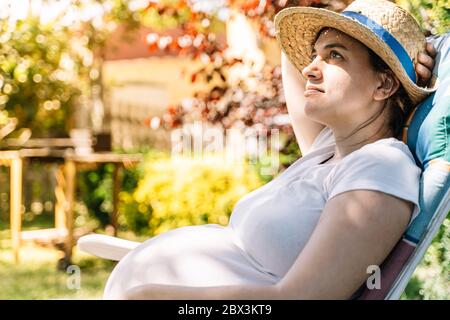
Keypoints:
pixel 312 70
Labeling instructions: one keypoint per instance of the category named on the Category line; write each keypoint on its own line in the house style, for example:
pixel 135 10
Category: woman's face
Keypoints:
pixel 341 83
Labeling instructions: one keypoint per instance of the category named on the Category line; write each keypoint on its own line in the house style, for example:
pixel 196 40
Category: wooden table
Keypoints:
pixel 14 161
pixel 65 190
pixel 72 163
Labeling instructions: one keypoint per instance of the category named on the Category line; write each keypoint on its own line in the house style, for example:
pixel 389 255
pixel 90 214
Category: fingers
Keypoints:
pixel 426 61
pixel 424 74
pixel 430 49
pixel 425 64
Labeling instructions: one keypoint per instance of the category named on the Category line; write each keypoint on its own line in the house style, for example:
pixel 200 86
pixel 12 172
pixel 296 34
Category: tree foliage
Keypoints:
pixel 47 68
pixel 38 86
pixel 433 15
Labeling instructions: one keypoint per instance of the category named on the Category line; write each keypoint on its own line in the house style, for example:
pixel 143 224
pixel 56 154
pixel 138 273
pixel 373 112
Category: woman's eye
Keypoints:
pixel 313 56
pixel 335 55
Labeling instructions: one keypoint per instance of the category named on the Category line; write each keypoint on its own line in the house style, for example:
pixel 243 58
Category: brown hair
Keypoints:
pixel 399 105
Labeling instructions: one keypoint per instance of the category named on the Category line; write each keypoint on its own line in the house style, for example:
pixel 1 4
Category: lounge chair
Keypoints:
pixel 428 137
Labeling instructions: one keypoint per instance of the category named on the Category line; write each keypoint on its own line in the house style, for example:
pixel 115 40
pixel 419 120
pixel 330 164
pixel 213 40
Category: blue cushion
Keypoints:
pixel 429 140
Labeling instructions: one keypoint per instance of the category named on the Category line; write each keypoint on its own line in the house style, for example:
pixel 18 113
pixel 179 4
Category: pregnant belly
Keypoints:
pixel 203 255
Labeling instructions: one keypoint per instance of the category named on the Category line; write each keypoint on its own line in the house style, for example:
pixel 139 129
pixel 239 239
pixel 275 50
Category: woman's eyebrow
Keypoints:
pixel 332 45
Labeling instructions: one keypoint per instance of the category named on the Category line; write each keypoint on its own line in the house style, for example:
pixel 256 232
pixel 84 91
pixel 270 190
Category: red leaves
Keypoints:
pixel 199 43
pixel 172 110
pixel 153 48
pixel 223 104
pixel 248 5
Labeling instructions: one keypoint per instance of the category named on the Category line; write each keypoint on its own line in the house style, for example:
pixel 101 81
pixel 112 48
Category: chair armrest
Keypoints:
pixel 106 247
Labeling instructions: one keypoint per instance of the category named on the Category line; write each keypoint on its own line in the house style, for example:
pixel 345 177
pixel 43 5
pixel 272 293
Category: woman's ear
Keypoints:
pixel 387 85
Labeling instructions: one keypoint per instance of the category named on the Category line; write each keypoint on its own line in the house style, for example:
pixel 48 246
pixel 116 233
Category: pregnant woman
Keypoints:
pixel 351 80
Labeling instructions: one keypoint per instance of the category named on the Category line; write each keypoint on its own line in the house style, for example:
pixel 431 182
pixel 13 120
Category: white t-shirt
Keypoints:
pixel 270 226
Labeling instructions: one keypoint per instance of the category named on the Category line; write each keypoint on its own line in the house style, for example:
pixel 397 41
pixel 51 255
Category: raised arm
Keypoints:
pixel 305 129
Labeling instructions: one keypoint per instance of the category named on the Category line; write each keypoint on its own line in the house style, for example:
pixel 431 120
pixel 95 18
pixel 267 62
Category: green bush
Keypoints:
pixel 186 191
pixel 96 192
pixel 432 15
pixel 431 280
pixel 96 185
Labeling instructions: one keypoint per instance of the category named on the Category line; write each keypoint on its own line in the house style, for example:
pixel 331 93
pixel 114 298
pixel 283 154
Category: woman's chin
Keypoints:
pixel 311 108
pixel 314 111
pixel 314 98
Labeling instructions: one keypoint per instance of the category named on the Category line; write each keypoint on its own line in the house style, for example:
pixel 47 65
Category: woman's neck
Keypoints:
pixel 347 142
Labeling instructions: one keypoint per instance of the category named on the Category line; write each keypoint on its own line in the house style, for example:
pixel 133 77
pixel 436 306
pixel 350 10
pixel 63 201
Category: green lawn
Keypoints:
pixel 37 277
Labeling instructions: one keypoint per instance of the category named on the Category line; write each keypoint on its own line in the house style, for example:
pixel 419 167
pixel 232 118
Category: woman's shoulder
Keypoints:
pixel 388 153
pixel 384 148
pixel 386 165
pixel 387 148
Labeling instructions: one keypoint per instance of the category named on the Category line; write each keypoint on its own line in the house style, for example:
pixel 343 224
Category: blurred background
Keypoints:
pixel 118 89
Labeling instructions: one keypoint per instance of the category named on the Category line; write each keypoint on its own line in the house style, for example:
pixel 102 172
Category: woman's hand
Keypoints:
pixel 425 64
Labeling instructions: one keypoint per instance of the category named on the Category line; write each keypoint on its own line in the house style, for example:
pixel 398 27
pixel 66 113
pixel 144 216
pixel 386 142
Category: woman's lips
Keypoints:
pixel 312 91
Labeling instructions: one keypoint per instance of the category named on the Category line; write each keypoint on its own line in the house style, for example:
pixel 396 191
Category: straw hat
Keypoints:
pixel 389 30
